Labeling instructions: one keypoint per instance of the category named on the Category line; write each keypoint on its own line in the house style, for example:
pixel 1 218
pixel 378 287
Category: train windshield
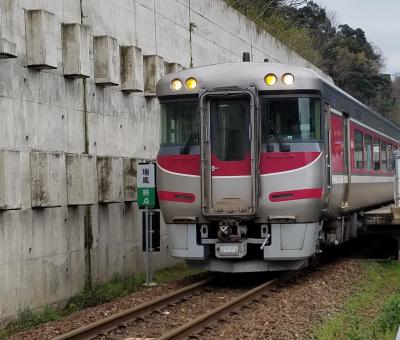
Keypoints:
pixel 291 119
pixel 179 120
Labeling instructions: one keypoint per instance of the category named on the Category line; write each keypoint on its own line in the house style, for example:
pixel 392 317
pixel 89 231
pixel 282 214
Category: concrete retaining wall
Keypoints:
pixel 77 110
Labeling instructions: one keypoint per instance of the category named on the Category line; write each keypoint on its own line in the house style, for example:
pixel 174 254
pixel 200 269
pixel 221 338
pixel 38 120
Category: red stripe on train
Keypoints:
pixel 273 162
pixel 231 168
pixel 182 164
pixel 172 196
pixel 293 195
pixel 270 162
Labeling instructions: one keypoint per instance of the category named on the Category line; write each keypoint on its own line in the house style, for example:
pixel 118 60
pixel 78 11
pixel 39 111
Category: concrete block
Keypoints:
pixel 81 179
pixel 41 40
pixel 75 40
pixel 48 180
pixel 8 46
pixel 130 192
pixel 172 67
pixel 10 180
pixel 110 179
pixel 153 72
pixel 106 61
pixel 131 69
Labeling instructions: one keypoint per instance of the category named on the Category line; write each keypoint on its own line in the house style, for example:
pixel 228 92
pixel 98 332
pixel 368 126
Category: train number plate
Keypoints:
pixel 230 250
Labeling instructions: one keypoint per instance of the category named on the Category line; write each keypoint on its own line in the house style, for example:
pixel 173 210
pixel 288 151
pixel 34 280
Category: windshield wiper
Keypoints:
pixel 282 147
pixel 193 135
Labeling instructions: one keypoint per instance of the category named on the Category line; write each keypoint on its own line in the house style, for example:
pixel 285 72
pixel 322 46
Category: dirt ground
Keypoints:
pixel 290 311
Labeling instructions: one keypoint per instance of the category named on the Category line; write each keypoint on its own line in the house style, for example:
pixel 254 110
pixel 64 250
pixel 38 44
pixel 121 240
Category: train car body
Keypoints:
pixel 261 163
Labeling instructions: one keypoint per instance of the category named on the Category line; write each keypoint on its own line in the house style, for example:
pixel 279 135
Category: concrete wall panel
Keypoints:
pixel 172 67
pixel 37 262
pixel 145 28
pixel 48 180
pixel 10 180
pixel 81 179
pixel 8 46
pixel 130 165
pixel 110 179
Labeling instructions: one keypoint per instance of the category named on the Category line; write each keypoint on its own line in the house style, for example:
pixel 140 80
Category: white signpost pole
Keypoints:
pixel 146 198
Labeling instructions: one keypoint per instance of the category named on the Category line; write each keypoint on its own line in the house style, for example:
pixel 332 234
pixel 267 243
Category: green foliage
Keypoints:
pixel 119 286
pixel 102 293
pixel 389 320
pixel 268 15
pixel 343 52
pixel 27 318
pixel 372 313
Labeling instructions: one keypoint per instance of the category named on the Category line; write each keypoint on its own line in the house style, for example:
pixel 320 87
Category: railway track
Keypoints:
pixel 107 324
pixel 106 328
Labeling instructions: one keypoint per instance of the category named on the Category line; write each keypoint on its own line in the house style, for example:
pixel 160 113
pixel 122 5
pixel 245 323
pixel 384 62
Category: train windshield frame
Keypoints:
pixel 291 119
pixel 180 119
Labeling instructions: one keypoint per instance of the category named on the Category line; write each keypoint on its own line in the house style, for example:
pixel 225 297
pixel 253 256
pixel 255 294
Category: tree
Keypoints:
pixel 343 52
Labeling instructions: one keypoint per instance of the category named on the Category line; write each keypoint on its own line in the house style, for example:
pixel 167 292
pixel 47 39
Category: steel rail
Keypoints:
pixel 197 324
pixel 111 322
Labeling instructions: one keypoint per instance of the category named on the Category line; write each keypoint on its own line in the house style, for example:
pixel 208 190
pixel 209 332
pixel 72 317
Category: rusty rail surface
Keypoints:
pixel 111 322
pixel 103 326
pixel 198 324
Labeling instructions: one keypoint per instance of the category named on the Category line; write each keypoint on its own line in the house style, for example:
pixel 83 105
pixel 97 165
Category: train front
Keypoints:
pixel 240 171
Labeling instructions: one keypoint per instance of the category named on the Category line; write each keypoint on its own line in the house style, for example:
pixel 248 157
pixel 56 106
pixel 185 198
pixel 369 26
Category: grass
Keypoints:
pixel 98 294
pixel 373 312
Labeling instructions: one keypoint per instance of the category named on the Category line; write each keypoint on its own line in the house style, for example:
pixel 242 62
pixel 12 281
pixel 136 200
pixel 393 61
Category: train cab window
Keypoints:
pixel 377 163
pixel 383 156
pixel 368 152
pixel 291 119
pixel 358 150
pixel 179 123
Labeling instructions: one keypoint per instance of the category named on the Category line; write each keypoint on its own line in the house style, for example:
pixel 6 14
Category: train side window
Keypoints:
pixel 383 156
pixel 376 149
pixel 390 157
pixel 377 162
pixel 358 149
pixel 368 152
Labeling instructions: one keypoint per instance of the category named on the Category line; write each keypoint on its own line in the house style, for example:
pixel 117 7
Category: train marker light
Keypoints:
pixel 270 79
pixel 288 79
pixel 176 85
pixel 191 83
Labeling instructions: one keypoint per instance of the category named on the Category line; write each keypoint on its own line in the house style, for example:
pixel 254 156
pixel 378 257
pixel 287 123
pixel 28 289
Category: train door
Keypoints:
pixel 228 165
pixel 328 168
pixel 346 161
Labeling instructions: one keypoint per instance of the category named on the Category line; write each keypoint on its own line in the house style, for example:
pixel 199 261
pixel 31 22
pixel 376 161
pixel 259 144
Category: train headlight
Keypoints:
pixel 191 83
pixel 288 79
pixel 270 79
pixel 176 84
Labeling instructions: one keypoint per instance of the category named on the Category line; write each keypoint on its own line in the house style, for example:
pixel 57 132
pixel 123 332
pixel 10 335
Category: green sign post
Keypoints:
pixel 146 185
pixel 146 196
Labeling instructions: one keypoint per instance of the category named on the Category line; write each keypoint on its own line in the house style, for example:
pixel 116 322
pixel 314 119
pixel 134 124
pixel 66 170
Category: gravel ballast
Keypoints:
pixel 289 311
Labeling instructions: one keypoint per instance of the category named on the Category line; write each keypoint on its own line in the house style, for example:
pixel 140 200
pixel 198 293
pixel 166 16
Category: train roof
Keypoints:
pixel 242 75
